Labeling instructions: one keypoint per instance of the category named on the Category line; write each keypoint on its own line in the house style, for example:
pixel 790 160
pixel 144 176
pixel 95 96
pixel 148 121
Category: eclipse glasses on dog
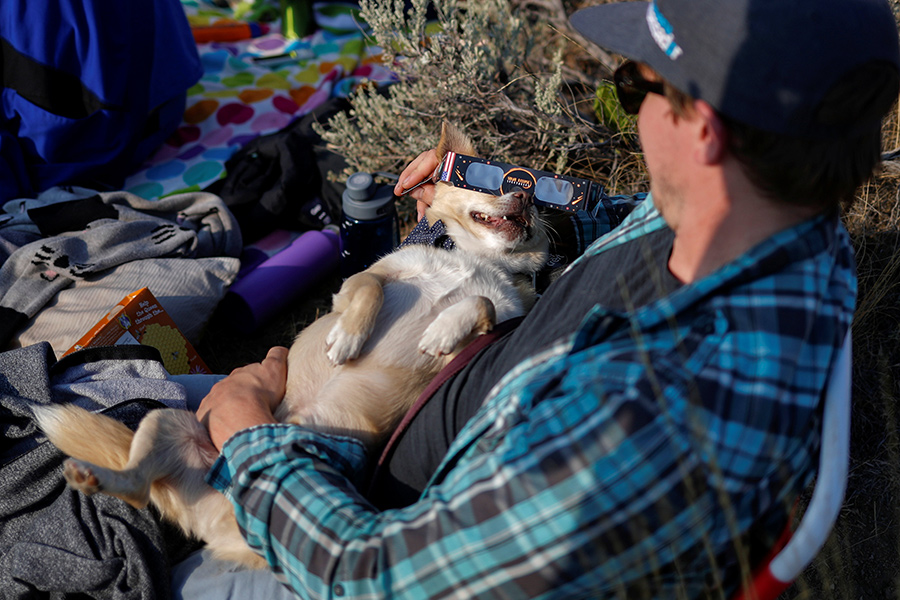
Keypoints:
pixel 497 178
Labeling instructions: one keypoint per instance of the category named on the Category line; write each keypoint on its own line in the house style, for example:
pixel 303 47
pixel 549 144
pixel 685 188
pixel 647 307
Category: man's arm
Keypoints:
pixel 548 507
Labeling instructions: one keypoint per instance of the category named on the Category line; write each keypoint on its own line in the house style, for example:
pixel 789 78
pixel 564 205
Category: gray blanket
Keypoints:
pixel 54 542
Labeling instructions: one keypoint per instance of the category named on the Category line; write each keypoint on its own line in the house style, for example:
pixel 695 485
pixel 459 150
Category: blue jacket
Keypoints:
pixel 89 89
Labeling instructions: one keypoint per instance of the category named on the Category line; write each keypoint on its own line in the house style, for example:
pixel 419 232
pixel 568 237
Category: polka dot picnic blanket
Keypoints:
pixel 254 87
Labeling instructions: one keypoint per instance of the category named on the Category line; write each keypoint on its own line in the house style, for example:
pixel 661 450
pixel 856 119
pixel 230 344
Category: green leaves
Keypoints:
pixel 610 113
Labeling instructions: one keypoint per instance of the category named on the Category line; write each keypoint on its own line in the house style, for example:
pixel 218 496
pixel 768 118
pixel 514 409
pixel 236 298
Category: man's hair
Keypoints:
pixel 822 173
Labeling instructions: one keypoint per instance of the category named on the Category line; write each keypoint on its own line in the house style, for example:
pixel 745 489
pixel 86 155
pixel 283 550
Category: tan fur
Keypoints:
pixel 354 371
pixel 70 424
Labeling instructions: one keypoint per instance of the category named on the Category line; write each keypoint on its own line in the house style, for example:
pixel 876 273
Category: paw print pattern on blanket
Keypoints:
pixel 165 232
pixel 56 262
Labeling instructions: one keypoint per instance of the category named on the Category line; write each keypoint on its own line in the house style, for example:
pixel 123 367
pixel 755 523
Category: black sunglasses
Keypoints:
pixel 632 87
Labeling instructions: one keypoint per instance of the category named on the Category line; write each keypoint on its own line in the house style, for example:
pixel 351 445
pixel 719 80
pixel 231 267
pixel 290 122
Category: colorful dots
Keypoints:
pixel 251 96
pixel 234 113
pixel 271 44
pixel 273 80
pixel 355 46
pixel 182 190
pixel 218 154
pixel 236 101
pixel 200 111
pixel 327 66
pixel 302 95
pixel 348 62
pixel 237 64
pixel 230 93
pixel 164 153
pixel 328 48
pixel 270 121
pixel 191 153
pixel 308 75
pixel 172 168
pixel 148 190
pixel 218 136
pixel 375 58
pixel 318 97
pixel 213 62
pixel 285 105
pixel 196 89
pixel 345 87
pixel 203 171
pixel 242 79
pixel 363 71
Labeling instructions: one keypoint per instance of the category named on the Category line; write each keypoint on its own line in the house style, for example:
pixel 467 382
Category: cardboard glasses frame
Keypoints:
pixel 498 178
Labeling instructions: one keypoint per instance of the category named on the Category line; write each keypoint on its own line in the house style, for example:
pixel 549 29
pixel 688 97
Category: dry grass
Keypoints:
pixel 862 558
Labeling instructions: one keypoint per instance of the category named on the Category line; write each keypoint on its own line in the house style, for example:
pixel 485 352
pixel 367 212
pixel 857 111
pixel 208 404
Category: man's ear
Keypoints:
pixel 713 136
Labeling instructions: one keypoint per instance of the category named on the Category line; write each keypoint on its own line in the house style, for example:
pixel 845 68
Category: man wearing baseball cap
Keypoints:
pixel 646 429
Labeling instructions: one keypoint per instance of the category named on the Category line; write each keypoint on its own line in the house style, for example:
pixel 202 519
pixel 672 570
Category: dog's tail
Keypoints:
pixel 85 435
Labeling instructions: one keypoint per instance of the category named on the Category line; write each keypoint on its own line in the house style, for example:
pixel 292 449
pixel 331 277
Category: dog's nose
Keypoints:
pixel 520 195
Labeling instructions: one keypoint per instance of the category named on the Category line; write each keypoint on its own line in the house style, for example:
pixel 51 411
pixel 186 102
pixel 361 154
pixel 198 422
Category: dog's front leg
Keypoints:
pixel 471 316
pixel 358 302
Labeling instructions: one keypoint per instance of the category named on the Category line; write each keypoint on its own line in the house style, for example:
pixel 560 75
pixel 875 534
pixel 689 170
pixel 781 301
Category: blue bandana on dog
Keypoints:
pixel 434 235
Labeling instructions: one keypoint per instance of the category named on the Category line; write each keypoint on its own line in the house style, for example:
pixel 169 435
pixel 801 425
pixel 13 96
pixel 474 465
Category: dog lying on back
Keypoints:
pixel 354 371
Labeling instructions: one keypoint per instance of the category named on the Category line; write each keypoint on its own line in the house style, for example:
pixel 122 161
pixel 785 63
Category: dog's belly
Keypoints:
pixel 371 392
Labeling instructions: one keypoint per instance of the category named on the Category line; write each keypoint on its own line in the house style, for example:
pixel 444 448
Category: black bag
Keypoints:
pixel 280 180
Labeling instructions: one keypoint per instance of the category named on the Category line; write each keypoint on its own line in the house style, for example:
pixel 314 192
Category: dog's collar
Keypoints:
pixel 436 235
pixel 430 235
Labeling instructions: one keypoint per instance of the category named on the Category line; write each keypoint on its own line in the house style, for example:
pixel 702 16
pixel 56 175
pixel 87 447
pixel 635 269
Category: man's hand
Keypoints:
pixel 245 398
pixel 422 167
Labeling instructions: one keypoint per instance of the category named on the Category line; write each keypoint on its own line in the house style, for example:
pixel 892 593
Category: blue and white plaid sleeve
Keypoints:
pixel 636 452
pixel 523 516
pixel 609 212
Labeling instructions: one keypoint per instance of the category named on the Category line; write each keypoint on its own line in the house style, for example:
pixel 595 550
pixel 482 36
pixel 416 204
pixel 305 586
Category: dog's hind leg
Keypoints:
pixel 168 444
pixel 459 322
pixel 169 457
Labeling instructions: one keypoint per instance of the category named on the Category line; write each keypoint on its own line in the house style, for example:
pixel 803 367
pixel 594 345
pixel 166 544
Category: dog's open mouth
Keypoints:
pixel 512 224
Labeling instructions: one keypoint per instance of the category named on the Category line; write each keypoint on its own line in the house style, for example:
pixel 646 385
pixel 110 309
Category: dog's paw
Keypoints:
pixel 80 476
pixel 342 345
pixel 440 338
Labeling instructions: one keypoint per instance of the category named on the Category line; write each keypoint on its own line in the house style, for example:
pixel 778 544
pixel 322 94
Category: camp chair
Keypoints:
pixel 785 564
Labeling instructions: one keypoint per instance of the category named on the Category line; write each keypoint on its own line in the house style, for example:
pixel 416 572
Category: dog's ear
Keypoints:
pixel 454 140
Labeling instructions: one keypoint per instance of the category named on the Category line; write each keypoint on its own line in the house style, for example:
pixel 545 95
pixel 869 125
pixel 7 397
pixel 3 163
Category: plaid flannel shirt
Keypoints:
pixel 631 454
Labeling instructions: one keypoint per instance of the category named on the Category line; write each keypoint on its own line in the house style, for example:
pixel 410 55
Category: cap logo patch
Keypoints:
pixel 661 30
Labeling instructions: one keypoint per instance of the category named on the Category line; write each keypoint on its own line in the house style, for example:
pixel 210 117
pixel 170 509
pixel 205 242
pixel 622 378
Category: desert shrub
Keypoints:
pixel 504 71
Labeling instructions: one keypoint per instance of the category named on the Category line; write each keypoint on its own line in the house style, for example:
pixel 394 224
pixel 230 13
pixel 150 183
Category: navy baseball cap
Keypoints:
pixel 765 63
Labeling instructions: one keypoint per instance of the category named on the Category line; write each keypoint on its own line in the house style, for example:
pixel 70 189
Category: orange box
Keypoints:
pixel 140 319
